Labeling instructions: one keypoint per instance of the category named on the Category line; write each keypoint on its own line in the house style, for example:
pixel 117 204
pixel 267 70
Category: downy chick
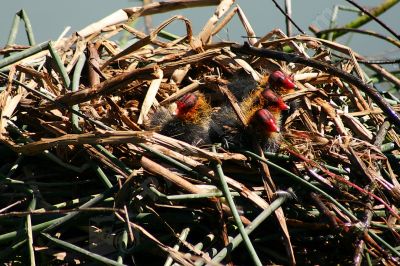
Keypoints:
pixel 262 109
pixel 189 122
pixel 267 100
pixel 227 129
pixel 281 83
pixel 241 85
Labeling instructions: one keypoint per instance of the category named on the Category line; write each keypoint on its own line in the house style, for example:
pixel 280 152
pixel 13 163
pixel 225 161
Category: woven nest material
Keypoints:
pixel 76 149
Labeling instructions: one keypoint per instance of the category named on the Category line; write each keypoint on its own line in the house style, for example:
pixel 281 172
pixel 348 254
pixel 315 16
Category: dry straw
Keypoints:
pixel 74 112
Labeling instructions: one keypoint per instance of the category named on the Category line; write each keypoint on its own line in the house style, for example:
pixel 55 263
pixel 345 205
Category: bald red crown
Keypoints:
pixel 278 78
pixel 264 118
pixel 274 100
pixel 186 103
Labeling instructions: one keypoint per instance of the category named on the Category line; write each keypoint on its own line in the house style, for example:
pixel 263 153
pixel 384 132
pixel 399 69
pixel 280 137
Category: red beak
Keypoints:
pixel 267 120
pixel 274 100
pixel 288 83
pixel 278 78
pixel 272 126
pixel 282 105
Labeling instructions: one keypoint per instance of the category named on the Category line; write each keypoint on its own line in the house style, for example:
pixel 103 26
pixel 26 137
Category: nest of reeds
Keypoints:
pixel 83 179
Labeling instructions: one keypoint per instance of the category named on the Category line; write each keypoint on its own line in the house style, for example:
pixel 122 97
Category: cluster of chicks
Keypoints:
pixel 196 122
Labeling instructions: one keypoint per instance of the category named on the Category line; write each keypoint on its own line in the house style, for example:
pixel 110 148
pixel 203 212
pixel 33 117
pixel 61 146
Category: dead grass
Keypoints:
pixel 80 172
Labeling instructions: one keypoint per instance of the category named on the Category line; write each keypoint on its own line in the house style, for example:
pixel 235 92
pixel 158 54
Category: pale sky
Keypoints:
pixel 50 17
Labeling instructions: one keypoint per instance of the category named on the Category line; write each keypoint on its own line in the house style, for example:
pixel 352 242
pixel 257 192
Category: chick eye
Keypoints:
pixel 186 102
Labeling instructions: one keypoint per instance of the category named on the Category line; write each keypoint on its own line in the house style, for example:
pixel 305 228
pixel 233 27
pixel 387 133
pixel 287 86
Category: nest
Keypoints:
pixel 80 172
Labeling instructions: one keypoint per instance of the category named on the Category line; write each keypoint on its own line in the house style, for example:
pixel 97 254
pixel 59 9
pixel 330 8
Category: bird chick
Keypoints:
pixel 267 129
pixel 189 122
pixel 281 83
pixel 227 129
pixel 262 109
pixel 244 87
pixel 260 104
pixel 264 122
pixel 241 85
pixel 278 109
pixel 264 98
pixel 272 100
pixel 193 109
pixel 274 104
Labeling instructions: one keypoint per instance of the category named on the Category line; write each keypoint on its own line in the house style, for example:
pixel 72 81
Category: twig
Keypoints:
pixel 288 10
pixel 361 31
pixel 288 17
pixel 374 18
pixel 58 104
pixel 23 54
pixel 254 224
pixel 358 22
pixel 235 213
pixel 28 27
pixel 371 61
pixel 90 255
pixel 380 137
pixel 148 22
pixel 380 61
